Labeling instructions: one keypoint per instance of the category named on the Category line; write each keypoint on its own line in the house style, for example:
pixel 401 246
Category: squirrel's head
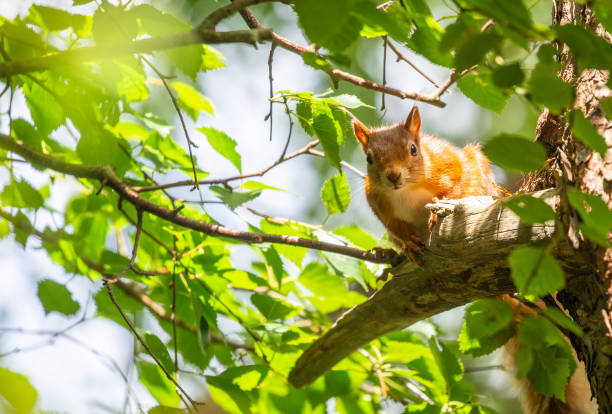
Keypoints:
pixel 393 153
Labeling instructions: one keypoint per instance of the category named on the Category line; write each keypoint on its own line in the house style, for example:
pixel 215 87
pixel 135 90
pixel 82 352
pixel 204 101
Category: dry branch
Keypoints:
pixel 465 260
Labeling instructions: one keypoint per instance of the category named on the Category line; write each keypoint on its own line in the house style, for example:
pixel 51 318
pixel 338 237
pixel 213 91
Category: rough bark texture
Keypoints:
pixel 587 296
pixel 465 261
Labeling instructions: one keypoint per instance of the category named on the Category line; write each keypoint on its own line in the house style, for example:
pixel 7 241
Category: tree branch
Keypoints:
pixel 465 260
pixel 106 175
pixel 87 54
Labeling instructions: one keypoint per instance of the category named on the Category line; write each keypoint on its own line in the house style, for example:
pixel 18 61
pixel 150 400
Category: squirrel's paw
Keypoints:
pixel 413 249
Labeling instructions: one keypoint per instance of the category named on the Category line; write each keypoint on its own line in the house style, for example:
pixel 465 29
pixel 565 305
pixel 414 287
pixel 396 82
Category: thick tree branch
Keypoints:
pixel 465 260
pixel 107 177
pixel 88 54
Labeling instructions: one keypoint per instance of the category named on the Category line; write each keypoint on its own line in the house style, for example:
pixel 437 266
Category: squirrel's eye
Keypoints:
pixel 413 150
pixel 369 159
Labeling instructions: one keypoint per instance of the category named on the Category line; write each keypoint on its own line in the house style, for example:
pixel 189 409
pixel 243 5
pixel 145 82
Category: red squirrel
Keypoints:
pixel 408 169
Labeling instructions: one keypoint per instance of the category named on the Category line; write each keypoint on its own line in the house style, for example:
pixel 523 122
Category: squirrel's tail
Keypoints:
pixel 577 394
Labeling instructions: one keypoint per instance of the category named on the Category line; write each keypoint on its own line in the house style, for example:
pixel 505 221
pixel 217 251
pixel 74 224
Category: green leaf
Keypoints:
pixel 357 236
pixel 551 362
pixel 234 198
pixel 544 85
pixel 603 12
pixel 513 14
pixel 329 133
pixel 480 89
pixel 564 321
pixel 449 365
pixel 473 51
pixel 586 132
pixel 335 29
pixel 256 185
pixel 108 20
pixel 46 111
pixel 159 350
pixel 100 147
pixel 304 115
pixel 211 58
pixel 132 85
pixel 488 325
pixel 336 194
pixel 229 396
pixel 192 100
pixel 347 101
pixel 156 382
pixel 247 377
pixel 535 271
pixel 162 409
pixel 21 194
pixel 606 106
pixel 223 144
pixel 204 333
pixel 316 61
pixel 591 51
pixel 337 383
pixel 273 308
pixel 17 391
pixel 515 153
pixel 4 229
pixel 508 76
pixel 595 214
pixel 274 264
pixel 55 297
pixel 55 19
pixel 531 210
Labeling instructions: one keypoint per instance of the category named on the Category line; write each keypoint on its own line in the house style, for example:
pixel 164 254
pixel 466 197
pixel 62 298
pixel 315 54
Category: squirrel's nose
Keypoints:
pixel 394 177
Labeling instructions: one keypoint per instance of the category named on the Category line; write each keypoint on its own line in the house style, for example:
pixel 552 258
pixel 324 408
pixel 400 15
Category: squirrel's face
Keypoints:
pixel 392 153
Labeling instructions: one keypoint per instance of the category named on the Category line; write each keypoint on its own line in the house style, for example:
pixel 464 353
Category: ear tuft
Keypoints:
pixel 362 133
pixel 413 122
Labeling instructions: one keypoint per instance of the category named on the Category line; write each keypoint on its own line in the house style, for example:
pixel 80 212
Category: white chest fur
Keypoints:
pixel 408 204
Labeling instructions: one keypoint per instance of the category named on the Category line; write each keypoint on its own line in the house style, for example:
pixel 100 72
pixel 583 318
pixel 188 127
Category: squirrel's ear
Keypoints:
pixel 361 132
pixel 413 122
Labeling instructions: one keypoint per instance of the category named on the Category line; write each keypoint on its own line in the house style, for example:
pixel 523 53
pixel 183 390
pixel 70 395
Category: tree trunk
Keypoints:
pixel 588 298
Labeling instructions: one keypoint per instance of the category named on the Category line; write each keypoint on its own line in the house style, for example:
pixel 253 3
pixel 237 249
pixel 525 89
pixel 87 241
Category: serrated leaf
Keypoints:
pixel 515 153
pixel 223 144
pixel 508 76
pixel 357 236
pixel 586 132
pixel 488 325
pixel 21 194
pixel 545 86
pixel 449 365
pixel 55 297
pixel 348 101
pixel 247 377
pixel 595 214
pixel 514 14
pixel 481 89
pixel 272 308
pixel 563 320
pixel 336 194
pixel 335 29
pixel 100 147
pixel 159 350
pixel 328 131
pixel 234 198
pixel 304 115
pixel 473 50
pixel 274 265
pixel 46 111
pixel 17 391
pixel 531 210
pixel 156 382
pixel 192 100
pixel 535 271
pixel 591 51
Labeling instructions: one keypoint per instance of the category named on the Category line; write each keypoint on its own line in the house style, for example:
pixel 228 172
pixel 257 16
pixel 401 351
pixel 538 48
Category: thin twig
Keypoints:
pixel 384 70
pixel 401 56
pixel 173 306
pixel 343 163
pixel 259 173
pixel 271 82
pixel 134 249
pixel 288 112
pixel 190 143
pixel 111 295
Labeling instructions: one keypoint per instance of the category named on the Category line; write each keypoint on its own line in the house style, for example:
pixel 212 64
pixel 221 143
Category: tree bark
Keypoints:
pixel 587 297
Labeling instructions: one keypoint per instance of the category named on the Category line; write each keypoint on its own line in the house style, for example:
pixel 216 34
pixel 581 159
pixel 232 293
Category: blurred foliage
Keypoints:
pixel 110 112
